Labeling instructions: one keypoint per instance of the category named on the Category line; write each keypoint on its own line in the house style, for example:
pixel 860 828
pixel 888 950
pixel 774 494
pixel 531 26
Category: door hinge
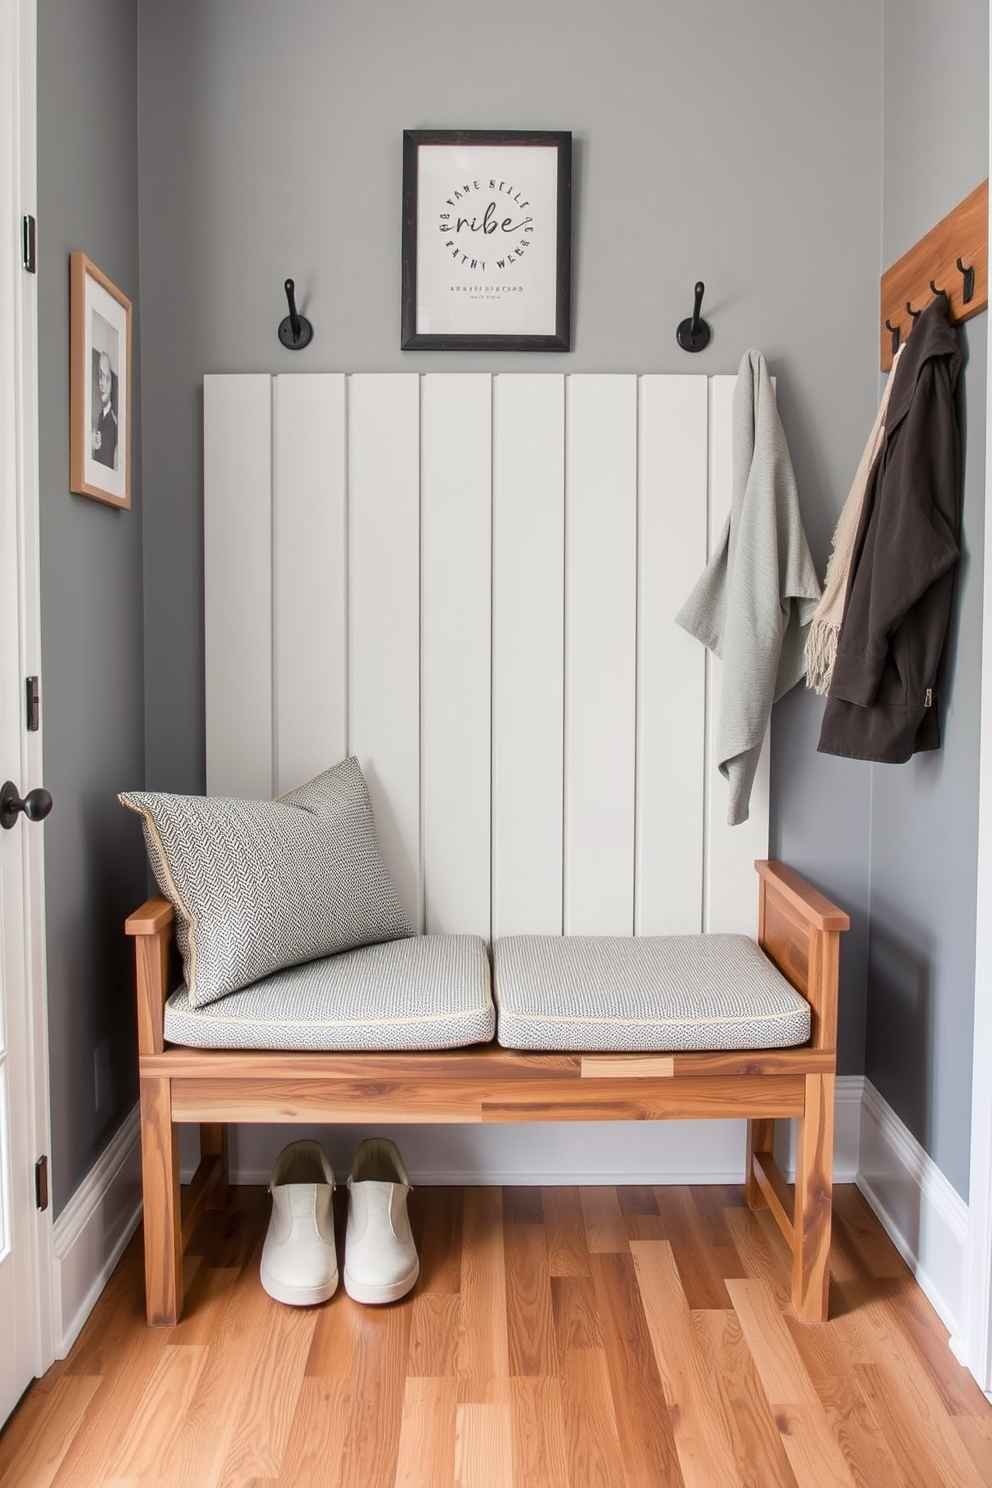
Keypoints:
pixel 41 1184
pixel 33 700
pixel 29 232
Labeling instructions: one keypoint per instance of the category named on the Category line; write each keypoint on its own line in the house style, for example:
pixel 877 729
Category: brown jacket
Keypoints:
pixel 882 703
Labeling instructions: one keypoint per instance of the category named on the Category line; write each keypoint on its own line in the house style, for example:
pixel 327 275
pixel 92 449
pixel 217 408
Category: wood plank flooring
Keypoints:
pixel 557 1338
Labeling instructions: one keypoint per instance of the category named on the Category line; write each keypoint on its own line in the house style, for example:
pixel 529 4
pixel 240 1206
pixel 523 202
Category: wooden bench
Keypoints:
pixel 798 929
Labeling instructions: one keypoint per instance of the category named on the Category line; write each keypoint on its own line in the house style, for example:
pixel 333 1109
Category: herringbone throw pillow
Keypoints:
pixel 261 885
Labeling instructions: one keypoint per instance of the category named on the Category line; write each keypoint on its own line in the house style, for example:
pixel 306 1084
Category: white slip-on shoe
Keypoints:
pixel 299 1263
pixel 380 1257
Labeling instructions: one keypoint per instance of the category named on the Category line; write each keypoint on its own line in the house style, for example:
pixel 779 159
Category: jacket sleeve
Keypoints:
pixel 910 536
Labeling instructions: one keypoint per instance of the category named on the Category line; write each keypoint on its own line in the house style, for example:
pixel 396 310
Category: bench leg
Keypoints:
pixel 814 1197
pixel 213 1143
pixel 160 1190
pixel 760 1138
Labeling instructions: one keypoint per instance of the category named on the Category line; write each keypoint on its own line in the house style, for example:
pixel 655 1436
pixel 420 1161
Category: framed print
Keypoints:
pixel 486 240
pixel 99 385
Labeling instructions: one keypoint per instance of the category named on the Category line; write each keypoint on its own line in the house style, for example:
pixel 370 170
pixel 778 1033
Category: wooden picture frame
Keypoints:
pixel 486 240
pixel 99 385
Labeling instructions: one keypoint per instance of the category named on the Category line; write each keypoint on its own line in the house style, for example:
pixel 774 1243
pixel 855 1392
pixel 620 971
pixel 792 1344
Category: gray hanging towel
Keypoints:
pixel 755 599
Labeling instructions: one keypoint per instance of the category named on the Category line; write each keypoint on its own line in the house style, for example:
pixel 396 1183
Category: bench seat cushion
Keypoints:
pixel 670 992
pixel 423 992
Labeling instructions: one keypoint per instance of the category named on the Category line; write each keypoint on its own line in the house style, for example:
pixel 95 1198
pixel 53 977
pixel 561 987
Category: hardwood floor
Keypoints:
pixel 558 1338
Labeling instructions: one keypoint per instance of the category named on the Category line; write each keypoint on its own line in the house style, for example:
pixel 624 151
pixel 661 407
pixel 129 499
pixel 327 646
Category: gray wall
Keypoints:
pixel 270 145
pixel 91 602
pixel 924 814
pixel 737 144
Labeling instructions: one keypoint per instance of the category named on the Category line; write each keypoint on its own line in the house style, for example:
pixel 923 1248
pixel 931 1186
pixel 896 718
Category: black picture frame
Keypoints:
pixel 500 276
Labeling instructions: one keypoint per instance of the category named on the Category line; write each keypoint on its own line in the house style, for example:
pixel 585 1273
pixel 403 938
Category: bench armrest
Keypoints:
pixel 152 928
pixel 807 901
pixel 153 916
pixel 799 929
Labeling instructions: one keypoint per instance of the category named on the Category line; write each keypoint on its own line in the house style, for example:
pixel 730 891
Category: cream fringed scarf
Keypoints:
pixel 821 641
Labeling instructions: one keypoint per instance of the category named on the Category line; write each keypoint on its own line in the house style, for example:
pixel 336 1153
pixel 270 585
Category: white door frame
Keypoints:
pixel 978 1279
pixel 39 1261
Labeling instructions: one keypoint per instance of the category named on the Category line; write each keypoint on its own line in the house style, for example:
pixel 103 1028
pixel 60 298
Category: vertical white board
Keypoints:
pixel 671 665
pixel 384 628
pixel 237 559
pixel 340 618
pixel 528 652
pixel 600 638
pixel 456 608
pixel 730 886
pixel 310 576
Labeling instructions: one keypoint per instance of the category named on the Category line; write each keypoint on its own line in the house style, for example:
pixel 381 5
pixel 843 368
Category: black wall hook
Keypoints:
pixel 934 289
pixel 969 282
pixel 295 331
pixel 914 314
pixel 694 334
pixel 896 334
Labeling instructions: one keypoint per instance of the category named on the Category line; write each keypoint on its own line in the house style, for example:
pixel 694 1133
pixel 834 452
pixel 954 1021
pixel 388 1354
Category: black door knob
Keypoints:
pixel 36 804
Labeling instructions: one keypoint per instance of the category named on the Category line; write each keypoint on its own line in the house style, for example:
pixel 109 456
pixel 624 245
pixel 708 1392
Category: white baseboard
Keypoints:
pixel 924 1215
pixel 546 1152
pixel 542 1153
pixel 90 1234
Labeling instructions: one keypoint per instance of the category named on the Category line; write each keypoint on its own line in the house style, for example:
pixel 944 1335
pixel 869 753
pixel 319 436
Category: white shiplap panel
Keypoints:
pixel 310 609
pixel 600 638
pixel 730 885
pixel 671 664
pixel 456 608
pixel 384 630
pixel 528 652
pixel 237 557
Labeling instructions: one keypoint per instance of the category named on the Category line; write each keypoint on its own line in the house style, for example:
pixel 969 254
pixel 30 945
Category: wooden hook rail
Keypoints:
pixel 953 256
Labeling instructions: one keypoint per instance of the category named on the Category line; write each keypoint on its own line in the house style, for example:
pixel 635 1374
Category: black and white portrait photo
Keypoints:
pixel 105 359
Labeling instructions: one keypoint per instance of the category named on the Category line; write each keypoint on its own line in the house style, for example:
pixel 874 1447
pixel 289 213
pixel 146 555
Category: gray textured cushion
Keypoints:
pixel 666 992
pixel 261 885
pixel 424 992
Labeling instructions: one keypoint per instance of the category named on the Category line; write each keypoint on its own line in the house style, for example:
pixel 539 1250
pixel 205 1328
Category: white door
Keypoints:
pixel 21 1349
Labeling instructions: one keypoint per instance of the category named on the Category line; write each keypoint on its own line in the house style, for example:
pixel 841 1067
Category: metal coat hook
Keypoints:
pixel 969 282
pixel 914 314
pixel 896 334
pixel 693 334
pixel 295 331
